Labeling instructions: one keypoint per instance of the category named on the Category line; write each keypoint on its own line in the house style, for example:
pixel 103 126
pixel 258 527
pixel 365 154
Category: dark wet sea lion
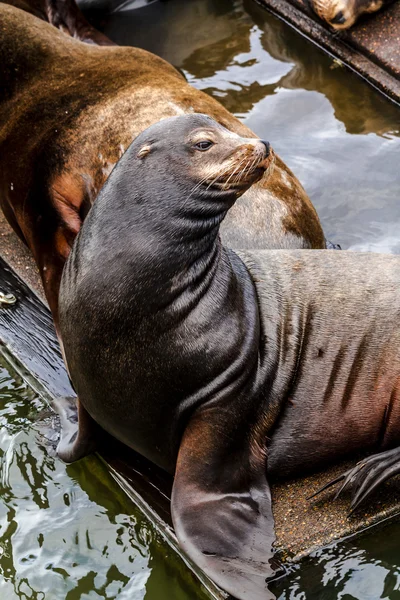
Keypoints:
pixel 218 365
pixel 342 14
pixel 68 111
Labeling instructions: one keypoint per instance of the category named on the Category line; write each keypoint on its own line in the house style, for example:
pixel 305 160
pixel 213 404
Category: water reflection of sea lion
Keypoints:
pixel 82 106
pixel 195 355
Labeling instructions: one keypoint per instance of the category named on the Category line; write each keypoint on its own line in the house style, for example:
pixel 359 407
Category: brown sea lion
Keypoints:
pixel 223 366
pixel 69 110
pixel 342 14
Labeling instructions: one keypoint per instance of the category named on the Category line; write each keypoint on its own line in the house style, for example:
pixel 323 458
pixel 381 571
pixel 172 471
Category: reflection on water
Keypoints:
pixel 336 132
pixel 70 533
pixel 365 569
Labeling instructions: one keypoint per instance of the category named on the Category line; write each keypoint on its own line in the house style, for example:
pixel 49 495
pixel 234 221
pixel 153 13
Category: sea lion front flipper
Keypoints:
pixel 367 476
pixel 79 433
pixel 221 508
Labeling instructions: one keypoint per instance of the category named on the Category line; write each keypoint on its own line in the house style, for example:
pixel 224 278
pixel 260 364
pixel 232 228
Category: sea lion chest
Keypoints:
pixel 143 362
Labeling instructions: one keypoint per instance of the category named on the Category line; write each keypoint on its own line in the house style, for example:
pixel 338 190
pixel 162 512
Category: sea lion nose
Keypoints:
pixel 267 147
pixel 339 18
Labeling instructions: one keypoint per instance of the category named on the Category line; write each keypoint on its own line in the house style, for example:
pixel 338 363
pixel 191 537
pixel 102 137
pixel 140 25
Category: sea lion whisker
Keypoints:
pixel 237 170
pixel 246 167
pixel 219 176
pixel 226 171
pixel 240 169
pixel 234 172
pixel 200 183
pixel 196 187
pixel 253 164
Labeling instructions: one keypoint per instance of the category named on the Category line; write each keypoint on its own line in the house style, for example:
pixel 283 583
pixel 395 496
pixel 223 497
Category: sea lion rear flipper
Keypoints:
pixel 67 16
pixel 221 509
pixel 78 436
pixel 367 475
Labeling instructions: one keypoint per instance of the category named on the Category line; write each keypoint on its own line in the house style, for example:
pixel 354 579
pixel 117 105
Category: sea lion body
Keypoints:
pixel 332 333
pixel 82 105
pixel 220 365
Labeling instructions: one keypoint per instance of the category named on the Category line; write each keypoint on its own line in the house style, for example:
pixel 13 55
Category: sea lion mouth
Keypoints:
pixel 244 167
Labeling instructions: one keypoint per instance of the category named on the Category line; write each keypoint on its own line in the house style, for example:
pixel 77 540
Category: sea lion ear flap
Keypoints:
pixel 144 151
pixel 222 513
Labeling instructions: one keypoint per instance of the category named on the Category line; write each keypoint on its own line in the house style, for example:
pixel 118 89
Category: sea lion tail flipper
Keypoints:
pixel 221 509
pixel 79 433
pixel 367 476
pixel 67 16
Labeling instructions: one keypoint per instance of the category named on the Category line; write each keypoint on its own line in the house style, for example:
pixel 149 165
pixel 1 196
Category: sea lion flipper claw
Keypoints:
pixel 366 476
pixel 223 520
pixel 375 470
pixel 78 436
pixel 327 485
pixel 67 16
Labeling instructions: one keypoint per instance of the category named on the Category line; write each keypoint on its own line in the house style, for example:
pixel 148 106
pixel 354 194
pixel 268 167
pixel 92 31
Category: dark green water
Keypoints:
pixel 69 532
pixel 367 568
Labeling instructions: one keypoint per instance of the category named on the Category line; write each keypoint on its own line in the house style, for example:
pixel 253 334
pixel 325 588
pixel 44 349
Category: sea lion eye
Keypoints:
pixel 203 145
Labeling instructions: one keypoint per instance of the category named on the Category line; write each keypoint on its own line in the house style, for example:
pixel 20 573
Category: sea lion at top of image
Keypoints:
pixel 69 110
pixel 226 368
pixel 342 14
pixel 66 16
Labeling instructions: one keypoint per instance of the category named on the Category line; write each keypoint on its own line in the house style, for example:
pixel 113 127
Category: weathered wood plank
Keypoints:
pixel 28 337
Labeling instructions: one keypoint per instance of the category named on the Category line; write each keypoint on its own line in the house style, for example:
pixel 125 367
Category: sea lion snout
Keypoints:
pixel 238 162
pixel 339 18
pixel 342 14
pixel 267 147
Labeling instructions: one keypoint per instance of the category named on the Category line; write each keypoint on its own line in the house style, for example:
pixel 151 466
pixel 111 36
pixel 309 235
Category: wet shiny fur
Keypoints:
pixel 225 367
pixel 68 112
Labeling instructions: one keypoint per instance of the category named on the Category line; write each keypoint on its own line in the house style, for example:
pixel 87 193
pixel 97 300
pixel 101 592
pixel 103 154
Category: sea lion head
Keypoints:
pixel 196 159
pixel 172 186
pixel 342 14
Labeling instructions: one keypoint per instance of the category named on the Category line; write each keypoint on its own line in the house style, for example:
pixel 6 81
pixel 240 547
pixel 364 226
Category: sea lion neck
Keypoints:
pixel 168 217
pixel 161 251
